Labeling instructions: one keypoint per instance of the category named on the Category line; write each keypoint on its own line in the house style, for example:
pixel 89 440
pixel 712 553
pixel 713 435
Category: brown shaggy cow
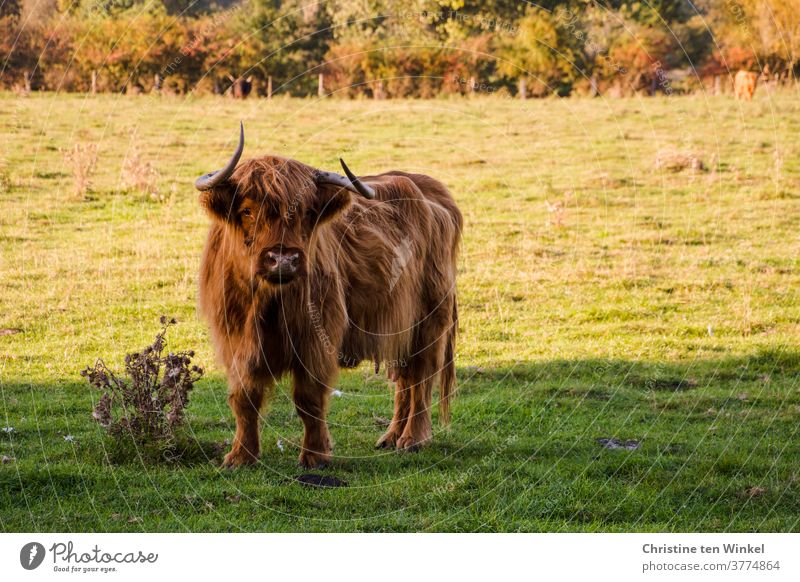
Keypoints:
pixel 240 88
pixel 744 85
pixel 300 276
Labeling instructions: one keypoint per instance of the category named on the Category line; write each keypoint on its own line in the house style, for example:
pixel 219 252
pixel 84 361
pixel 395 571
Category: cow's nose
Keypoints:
pixel 283 263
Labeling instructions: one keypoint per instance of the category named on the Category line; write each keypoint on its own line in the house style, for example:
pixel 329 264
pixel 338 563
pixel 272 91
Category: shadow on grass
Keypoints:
pixel 644 375
pixel 599 380
pixel 525 439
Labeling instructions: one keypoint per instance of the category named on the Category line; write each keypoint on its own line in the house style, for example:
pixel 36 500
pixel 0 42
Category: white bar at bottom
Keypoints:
pixel 403 557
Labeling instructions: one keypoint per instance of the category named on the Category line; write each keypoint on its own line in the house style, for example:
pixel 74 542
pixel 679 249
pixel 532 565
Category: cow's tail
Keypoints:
pixel 448 376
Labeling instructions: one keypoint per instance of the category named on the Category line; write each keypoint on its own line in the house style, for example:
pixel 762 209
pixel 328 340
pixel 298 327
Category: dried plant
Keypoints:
pixel 83 159
pixel 777 172
pixel 6 183
pixel 677 161
pixel 139 174
pixel 555 213
pixel 149 405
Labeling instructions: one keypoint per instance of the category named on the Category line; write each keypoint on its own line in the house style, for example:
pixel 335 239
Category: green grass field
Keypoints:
pixel 600 297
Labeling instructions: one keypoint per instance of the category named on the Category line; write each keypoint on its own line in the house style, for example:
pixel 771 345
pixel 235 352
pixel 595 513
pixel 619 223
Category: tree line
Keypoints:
pixel 393 48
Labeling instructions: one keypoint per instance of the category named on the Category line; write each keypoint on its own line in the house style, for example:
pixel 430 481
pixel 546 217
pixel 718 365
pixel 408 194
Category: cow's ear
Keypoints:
pixel 219 201
pixel 328 203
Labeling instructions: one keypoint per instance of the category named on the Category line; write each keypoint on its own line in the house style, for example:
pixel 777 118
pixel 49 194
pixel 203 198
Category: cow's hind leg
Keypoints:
pixel 311 397
pixel 245 398
pixel 402 404
pixel 418 429
pixel 423 368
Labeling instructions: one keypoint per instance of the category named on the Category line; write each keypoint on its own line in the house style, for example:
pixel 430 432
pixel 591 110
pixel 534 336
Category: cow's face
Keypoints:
pixel 278 239
pixel 276 244
pixel 273 209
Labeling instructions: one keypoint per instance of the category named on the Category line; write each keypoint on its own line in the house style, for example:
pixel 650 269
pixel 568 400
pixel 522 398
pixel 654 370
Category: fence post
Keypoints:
pixel 94 82
pixel 523 91
pixel 321 86
pixel 269 87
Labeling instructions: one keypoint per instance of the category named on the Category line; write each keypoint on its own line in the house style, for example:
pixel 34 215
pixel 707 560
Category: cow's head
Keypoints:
pixel 273 207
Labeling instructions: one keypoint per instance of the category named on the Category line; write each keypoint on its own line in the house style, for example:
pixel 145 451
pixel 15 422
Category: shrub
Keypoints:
pixel 149 406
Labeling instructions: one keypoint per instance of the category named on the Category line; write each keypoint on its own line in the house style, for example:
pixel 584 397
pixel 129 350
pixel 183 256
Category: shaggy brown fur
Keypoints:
pixel 377 282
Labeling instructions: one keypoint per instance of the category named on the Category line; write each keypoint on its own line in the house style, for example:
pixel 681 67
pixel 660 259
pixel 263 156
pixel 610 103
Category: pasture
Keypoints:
pixel 602 296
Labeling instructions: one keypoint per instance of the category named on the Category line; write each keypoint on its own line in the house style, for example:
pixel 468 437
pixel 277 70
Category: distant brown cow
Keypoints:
pixel 240 88
pixel 299 276
pixel 744 85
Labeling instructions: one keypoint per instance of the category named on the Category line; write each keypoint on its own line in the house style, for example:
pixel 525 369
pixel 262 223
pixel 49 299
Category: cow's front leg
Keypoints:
pixel 311 397
pixel 402 399
pixel 245 399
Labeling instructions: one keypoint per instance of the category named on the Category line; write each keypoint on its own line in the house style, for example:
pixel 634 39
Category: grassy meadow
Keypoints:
pixel 602 295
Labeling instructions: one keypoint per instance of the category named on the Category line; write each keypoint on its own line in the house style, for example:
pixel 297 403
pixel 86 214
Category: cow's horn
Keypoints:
pixel 360 187
pixel 208 181
pixel 350 182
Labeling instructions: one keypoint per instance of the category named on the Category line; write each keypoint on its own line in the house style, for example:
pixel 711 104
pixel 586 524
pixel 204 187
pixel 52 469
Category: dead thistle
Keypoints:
pixel 6 184
pixel 777 167
pixel 677 161
pixel 139 174
pixel 83 159
pixel 556 211
pixel 149 405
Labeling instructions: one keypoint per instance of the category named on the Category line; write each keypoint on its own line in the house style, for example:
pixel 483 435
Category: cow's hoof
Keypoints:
pixel 409 444
pixel 311 460
pixel 238 459
pixel 387 441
